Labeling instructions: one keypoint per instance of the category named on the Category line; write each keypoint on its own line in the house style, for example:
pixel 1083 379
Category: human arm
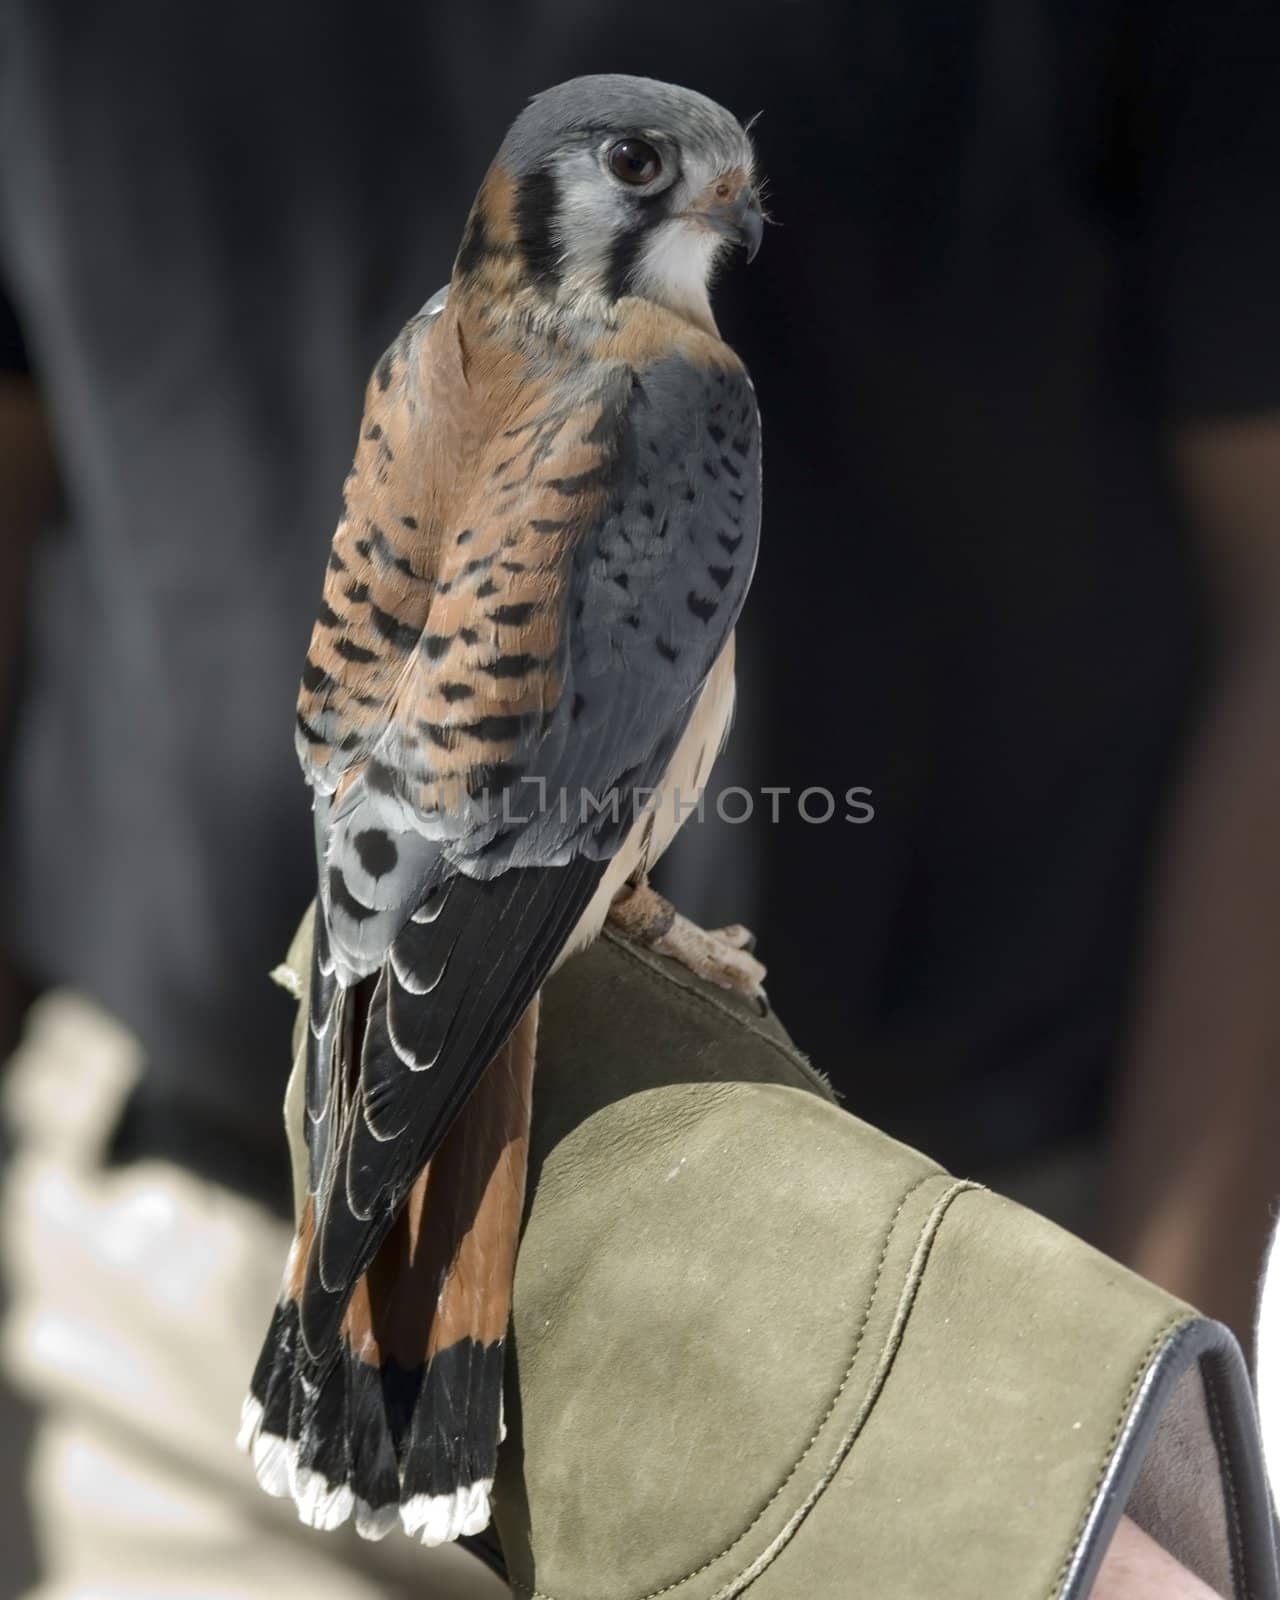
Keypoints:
pixel 1135 1567
pixel 1193 1169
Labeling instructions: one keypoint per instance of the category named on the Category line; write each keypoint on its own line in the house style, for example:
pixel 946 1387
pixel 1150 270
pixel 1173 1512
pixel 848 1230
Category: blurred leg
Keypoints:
pixel 1193 1171
pixel 139 1296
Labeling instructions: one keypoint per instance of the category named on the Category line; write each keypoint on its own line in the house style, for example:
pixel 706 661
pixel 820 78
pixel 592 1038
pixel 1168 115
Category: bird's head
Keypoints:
pixel 611 186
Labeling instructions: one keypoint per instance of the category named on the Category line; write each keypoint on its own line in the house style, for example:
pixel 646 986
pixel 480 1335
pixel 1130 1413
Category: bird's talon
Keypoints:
pixel 719 955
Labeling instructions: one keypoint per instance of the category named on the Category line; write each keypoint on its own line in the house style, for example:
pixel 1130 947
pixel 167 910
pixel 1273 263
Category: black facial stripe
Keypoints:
pixel 476 248
pixel 651 210
pixel 537 204
pixel 479 247
pixel 623 255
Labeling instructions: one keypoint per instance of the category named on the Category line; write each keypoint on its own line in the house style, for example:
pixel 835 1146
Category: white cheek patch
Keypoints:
pixel 676 265
pixel 593 214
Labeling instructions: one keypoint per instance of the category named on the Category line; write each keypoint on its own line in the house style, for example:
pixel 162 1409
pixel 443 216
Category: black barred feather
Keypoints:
pixel 375 1465
pixel 456 1421
pixel 273 1377
pixel 328 1017
pixel 324 1446
pixel 503 935
pixel 354 1431
pixel 385 1434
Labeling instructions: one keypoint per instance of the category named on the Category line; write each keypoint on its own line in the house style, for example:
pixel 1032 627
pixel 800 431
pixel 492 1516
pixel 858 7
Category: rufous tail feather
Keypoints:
pixel 400 1421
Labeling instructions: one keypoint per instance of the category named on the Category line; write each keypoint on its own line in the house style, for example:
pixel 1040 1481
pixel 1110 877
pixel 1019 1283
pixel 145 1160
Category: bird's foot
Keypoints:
pixel 718 955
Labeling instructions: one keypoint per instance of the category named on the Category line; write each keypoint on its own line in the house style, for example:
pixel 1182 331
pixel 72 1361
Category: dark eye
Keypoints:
pixel 634 161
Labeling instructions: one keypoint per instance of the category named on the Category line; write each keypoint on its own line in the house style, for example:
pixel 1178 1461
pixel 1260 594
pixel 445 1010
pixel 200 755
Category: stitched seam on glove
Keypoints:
pixel 905 1299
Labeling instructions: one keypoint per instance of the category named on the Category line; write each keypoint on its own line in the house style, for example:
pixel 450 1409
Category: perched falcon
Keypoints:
pixel 527 623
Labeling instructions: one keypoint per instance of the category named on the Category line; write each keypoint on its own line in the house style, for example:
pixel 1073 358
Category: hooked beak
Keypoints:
pixel 738 218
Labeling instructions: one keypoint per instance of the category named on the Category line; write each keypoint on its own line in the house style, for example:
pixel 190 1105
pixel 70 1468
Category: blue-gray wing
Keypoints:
pixel 656 590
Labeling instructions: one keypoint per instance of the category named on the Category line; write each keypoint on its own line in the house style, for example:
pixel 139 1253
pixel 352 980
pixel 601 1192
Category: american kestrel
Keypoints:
pixel 527 627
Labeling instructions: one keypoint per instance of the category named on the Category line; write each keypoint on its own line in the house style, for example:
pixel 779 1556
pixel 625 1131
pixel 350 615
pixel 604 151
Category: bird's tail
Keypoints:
pixel 399 1422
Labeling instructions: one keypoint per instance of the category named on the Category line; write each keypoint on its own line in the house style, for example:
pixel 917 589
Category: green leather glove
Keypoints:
pixel 758 1346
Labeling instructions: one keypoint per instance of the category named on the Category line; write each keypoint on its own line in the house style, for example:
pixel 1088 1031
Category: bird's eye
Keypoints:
pixel 634 161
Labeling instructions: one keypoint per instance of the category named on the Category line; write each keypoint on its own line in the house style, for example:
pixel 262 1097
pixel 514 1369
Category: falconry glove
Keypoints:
pixel 757 1346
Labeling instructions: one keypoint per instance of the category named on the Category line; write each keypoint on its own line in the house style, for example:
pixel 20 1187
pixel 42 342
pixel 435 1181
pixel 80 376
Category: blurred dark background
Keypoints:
pixel 1017 346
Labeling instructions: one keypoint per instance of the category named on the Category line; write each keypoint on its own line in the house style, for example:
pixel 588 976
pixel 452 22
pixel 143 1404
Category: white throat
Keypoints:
pixel 675 268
